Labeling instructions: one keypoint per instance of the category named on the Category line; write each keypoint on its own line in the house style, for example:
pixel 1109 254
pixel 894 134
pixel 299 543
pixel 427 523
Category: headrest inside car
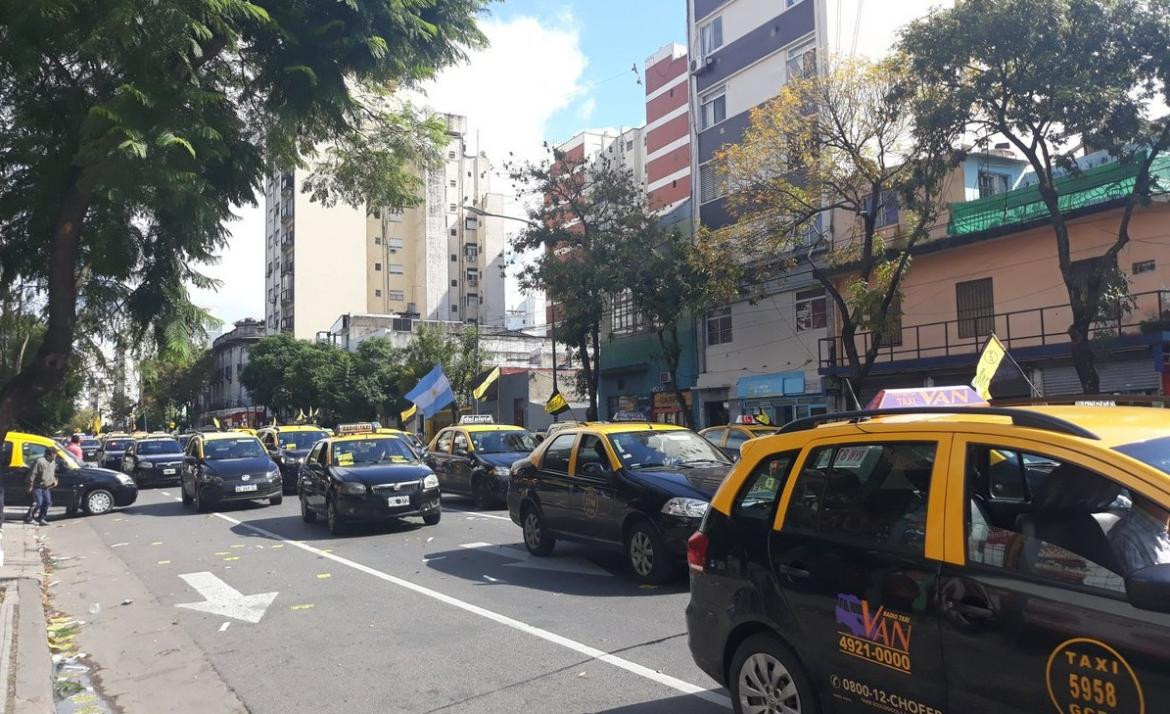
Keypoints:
pixel 1072 489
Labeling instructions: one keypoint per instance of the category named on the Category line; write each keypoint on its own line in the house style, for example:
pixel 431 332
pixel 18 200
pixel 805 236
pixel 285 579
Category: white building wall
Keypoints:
pixel 494 261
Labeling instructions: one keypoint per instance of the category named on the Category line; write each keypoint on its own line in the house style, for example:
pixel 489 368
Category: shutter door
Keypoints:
pixel 1125 377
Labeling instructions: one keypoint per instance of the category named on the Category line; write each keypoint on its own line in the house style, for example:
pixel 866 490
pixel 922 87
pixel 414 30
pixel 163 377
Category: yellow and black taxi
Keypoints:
pixel 475 457
pixel 288 446
pixel 113 447
pixel 227 466
pixel 731 437
pixel 80 487
pixel 153 460
pixel 364 476
pixel 639 486
pixel 983 560
pixel 410 437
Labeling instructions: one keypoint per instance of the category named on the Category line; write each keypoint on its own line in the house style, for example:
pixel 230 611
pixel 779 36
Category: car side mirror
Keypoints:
pixel 1149 588
pixel 594 469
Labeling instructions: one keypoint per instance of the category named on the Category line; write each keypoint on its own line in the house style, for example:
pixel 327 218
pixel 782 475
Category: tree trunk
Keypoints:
pixel 1082 355
pixel 590 384
pixel 671 352
pixel 51 361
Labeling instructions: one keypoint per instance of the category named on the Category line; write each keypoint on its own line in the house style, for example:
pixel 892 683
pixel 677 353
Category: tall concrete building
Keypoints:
pixel 441 260
pixel 668 129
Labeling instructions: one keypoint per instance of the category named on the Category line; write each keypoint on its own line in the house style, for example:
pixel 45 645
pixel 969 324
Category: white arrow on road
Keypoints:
pixel 223 599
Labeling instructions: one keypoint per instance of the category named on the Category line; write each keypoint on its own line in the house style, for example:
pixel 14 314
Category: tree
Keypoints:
pixel 171 387
pixel 267 376
pixel 458 354
pixel 839 147
pixel 1053 77
pixel 589 212
pixel 375 381
pixel 129 129
pixel 671 279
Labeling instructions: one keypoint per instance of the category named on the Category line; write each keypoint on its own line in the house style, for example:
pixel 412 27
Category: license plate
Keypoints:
pixel 249 487
pixel 168 472
pixel 398 501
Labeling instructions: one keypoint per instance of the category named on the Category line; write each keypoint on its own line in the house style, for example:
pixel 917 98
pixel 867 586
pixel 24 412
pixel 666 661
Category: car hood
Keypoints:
pixel 254 465
pixel 93 474
pixel 505 459
pixel 698 482
pixel 382 473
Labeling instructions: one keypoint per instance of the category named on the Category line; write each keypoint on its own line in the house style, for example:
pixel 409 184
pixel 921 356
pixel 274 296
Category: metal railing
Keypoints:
pixel 1020 329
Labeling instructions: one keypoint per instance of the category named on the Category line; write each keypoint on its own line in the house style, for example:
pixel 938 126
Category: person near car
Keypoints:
pixel 1142 537
pixel 42 477
pixel 74 447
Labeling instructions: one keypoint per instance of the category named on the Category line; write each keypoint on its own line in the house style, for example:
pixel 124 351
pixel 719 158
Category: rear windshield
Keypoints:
pixel 300 440
pixel 1155 452
pixel 117 444
pixel 90 443
pixel 242 448
pixel 159 446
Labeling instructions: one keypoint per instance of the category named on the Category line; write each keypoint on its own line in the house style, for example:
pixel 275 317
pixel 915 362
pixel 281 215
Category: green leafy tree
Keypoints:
pixel 1052 77
pixel 458 353
pixel 130 128
pixel 267 374
pixel 375 382
pixel 172 387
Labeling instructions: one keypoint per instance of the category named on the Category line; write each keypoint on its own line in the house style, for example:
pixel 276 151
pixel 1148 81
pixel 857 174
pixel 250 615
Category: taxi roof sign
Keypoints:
pixel 629 416
pixel 361 427
pixel 957 396
pixel 476 419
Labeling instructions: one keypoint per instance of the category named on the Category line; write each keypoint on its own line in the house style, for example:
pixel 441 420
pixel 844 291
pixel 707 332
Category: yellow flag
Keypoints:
pixel 300 415
pixel 487 382
pixel 556 404
pixel 97 424
pixel 993 354
pixel 406 415
pixel 215 420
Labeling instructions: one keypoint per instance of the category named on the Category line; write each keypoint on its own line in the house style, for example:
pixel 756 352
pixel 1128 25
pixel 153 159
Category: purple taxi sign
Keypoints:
pixel 957 396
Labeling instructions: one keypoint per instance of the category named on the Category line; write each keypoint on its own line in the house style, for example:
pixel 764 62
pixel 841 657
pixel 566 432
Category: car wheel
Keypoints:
pixel 333 518
pixel 186 496
pixel 432 519
pixel 536 537
pixel 276 500
pixel 765 677
pixel 99 501
pixel 646 555
pixel 308 515
pixel 481 494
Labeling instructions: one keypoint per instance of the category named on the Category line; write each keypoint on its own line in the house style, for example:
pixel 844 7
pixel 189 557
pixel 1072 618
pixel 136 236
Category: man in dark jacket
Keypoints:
pixel 42 477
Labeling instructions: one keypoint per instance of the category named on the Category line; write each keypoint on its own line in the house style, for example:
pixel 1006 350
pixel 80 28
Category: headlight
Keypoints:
pixel 124 479
pixel 145 465
pixel 685 507
pixel 430 481
pixel 501 471
pixel 352 489
pixel 274 473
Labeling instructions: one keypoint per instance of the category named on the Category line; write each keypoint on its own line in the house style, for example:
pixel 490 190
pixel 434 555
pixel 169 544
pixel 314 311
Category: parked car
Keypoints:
pixel 288 445
pixel 113 448
pixel 80 487
pixel 475 459
pixel 153 460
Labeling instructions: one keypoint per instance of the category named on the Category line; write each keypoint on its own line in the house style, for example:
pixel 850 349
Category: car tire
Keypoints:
pixel 334 519
pixel 536 537
pixel 481 493
pixel 432 519
pixel 308 515
pixel 276 500
pixel 98 502
pixel 187 500
pixel 777 676
pixel 646 556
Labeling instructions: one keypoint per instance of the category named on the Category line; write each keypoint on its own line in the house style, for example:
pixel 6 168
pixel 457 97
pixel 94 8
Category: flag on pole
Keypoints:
pixel 300 415
pixel 408 414
pixel 989 361
pixel 215 420
pixel 486 383
pixel 97 424
pixel 556 403
pixel 762 417
pixel 432 393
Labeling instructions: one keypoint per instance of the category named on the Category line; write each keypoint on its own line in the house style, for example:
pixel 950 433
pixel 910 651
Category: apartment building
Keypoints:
pixel 224 397
pixel 441 260
pixel 668 129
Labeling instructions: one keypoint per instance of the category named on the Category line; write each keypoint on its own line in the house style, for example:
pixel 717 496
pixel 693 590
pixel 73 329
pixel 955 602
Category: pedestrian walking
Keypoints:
pixel 74 447
pixel 42 477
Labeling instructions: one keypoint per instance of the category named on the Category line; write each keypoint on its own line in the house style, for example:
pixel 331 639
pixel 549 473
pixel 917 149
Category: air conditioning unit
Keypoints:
pixel 664 377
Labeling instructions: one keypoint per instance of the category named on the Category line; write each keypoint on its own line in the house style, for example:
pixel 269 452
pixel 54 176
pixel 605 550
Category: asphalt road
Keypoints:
pixel 454 618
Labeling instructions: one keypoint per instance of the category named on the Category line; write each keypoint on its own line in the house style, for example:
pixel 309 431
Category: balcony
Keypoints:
pixel 1039 332
pixel 286 295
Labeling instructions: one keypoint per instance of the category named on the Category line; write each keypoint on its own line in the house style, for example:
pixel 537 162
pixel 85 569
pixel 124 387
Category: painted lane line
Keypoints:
pixel 225 625
pixel 476 545
pixel 479 514
pixel 578 647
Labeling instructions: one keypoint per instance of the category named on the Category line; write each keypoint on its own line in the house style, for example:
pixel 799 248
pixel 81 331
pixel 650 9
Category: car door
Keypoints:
pixel 439 458
pixel 15 471
pixel 459 464
pixel 190 467
pixel 858 575
pixel 315 476
pixel 595 491
pixel 128 458
pixel 1038 600
pixel 554 486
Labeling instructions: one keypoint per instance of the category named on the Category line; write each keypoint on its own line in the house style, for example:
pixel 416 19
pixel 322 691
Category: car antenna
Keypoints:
pixel 852 394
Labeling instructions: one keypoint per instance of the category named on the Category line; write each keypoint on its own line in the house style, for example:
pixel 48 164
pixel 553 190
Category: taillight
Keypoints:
pixel 697 551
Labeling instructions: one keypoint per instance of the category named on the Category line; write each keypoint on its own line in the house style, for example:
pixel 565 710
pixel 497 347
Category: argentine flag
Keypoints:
pixel 432 393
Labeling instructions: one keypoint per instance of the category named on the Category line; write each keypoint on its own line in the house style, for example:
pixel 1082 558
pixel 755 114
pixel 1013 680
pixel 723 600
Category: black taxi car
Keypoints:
pixel 80 486
pixel 113 447
pixel 639 486
pixel 227 466
pixel 366 476
pixel 288 446
pixel 153 460
pixel 730 438
pixel 475 457
pixel 986 560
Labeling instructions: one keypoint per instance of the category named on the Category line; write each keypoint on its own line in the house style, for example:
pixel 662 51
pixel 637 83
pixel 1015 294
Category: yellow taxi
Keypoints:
pixel 474 457
pixel 985 559
pixel 288 445
pixel 79 487
pixel 730 438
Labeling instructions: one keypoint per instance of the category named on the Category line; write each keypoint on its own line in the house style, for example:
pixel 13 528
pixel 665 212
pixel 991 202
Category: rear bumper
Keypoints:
pixel 375 507
pixel 706 637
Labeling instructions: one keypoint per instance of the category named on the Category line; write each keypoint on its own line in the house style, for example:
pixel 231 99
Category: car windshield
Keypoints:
pixel 117 444
pixel 503 442
pixel 243 448
pixel 159 446
pixel 650 449
pixel 90 444
pixel 300 440
pixel 366 452
pixel 1155 452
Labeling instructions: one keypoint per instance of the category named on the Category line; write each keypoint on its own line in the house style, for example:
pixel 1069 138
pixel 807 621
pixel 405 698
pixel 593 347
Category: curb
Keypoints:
pixel 25 663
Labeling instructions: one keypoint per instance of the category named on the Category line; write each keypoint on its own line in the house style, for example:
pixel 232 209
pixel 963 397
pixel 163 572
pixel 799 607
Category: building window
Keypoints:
pixel 710 37
pixel 992 183
pixel 811 312
pixel 377 267
pixel 626 318
pixel 710 183
pixel 454 258
pixel 398 295
pixel 397 269
pixel 802 60
pixel 975 304
pixel 719 326
pixel 712 108
pixel 887 211
pixel 454 232
pixel 377 293
pixel 454 283
pixel 451 183
pixel 377 240
pixel 452 207
pixel 630 145
pixel 450 154
pixel 1144 266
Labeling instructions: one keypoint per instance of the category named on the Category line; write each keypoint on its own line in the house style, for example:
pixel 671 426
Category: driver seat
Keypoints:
pixel 1070 510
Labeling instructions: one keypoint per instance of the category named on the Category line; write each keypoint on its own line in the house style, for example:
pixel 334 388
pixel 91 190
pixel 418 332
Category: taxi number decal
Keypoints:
pixel 590 504
pixel 876 697
pixel 1090 677
pixel 877 635
pixel 345 459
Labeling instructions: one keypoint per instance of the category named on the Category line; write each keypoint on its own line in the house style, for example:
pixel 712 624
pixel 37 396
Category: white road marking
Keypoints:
pixel 578 647
pixel 479 514
pixel 165 493
pixel 473 546
pixel 223 599
pixel 225 625
pixel 118 545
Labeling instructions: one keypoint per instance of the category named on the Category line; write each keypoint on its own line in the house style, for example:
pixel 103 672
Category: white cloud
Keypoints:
pixel 585 109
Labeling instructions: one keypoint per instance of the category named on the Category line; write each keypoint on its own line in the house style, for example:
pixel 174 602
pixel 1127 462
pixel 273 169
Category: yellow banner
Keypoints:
pixel 215 420
pixel 556 404
pixel 993 354
pixel 487 383
pixel 406 415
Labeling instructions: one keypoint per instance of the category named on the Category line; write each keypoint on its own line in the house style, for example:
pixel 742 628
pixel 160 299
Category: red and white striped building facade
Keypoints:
pixel 667 131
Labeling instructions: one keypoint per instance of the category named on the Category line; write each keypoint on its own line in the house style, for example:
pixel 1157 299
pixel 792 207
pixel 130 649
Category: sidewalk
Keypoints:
pixel 25 664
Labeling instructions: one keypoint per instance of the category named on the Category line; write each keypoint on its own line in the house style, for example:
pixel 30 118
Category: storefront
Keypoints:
pixel 666 408
pixel 782 396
